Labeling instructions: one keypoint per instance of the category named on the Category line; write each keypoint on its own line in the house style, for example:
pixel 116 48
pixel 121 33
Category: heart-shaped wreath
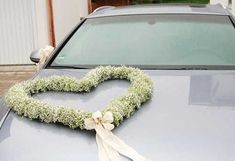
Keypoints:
pixel 19 99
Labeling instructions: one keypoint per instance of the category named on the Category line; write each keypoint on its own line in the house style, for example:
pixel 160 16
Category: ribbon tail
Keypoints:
pixel 102 154
pixel 109 139
pixel 105 152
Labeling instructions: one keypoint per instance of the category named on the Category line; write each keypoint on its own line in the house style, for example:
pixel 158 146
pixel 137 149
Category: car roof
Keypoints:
pixel 159 9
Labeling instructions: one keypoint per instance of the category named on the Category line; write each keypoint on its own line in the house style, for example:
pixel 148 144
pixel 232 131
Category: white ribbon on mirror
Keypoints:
pixel 44 55
pixel 109 146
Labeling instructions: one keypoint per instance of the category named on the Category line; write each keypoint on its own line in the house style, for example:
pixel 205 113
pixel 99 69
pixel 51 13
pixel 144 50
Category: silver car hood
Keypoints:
pixel 191 117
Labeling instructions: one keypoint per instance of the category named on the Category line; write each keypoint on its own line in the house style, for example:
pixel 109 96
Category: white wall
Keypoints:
pixel 24 26
pixel 20 30
pixel 66 15
pixel 41 23
pixel 233 7
pixel 225 3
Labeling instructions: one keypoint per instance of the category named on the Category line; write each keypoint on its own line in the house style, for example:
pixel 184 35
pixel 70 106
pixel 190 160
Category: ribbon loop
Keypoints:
pixel 109 146
pixel 45 53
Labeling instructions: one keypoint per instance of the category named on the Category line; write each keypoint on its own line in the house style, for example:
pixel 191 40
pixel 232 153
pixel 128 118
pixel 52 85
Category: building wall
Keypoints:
pixel 24 26
pixel 225 3
pixel 233 7
pixel 67 15
pixel 42 30
pixel 18 26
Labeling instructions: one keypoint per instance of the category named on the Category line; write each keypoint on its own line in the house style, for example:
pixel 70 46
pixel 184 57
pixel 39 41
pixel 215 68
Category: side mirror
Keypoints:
pixel 35 55
pixel 45 52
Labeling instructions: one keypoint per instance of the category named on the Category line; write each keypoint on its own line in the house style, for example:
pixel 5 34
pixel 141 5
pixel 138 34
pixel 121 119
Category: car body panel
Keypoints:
pixel 189 118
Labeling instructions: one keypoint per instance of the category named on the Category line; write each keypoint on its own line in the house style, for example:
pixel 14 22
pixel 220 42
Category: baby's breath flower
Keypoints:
pixel 19 97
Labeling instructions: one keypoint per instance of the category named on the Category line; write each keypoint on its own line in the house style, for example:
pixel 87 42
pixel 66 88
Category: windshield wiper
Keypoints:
pixel 67 67
pixel 152 67
pixel 207 67
pixel 175 67
pixel 193 68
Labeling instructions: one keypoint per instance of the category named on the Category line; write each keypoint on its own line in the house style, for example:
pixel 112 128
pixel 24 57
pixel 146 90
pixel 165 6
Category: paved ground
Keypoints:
pixel 10 75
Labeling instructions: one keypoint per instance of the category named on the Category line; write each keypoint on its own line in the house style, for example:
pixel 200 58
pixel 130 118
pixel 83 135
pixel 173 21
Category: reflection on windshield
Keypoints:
pixel 151 40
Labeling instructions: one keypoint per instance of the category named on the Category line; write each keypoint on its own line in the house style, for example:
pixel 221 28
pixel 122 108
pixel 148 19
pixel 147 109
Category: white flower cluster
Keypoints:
pixel 19 97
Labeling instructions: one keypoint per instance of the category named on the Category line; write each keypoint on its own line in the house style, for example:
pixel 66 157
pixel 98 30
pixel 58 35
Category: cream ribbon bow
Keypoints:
pixel 44 55
pixel 109 146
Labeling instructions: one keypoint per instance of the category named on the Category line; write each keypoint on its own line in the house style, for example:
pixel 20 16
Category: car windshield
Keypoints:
pixel 151 40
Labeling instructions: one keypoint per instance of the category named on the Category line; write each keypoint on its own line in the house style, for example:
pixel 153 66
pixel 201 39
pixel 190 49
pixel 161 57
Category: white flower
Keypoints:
pixel 98 119
pixel 19 97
